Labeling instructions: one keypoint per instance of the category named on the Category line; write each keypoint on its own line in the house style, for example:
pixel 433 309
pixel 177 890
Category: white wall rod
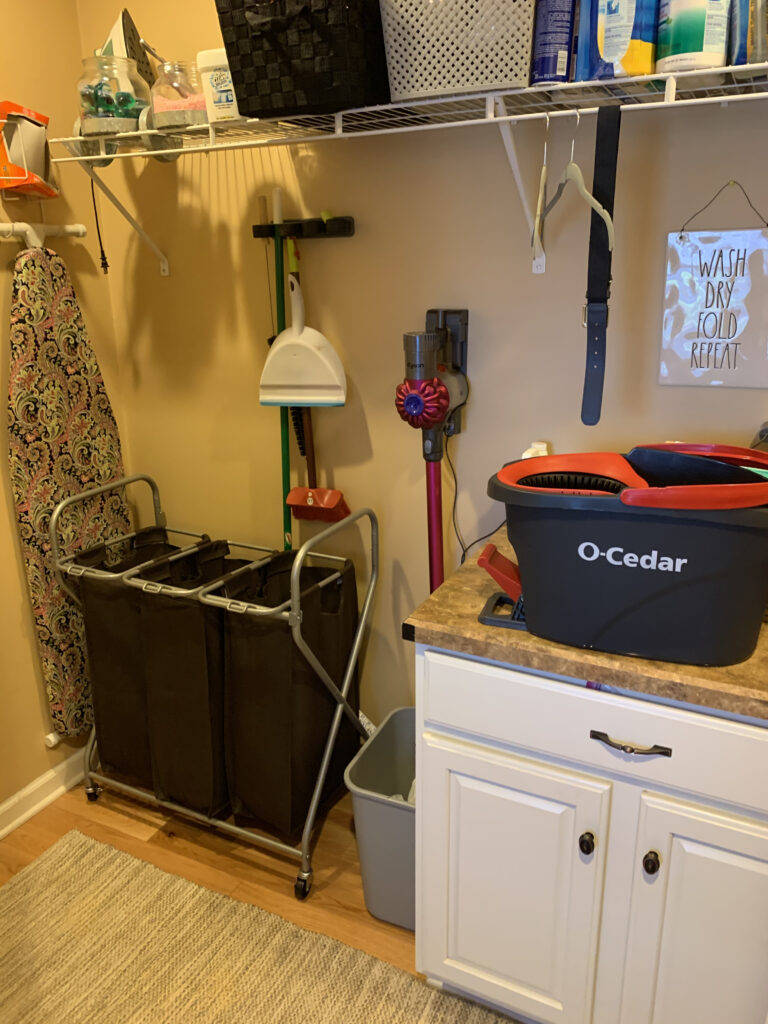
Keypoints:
pixel 164 267
pixel 34 235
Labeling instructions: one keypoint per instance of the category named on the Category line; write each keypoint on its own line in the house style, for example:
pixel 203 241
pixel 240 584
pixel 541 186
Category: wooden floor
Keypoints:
pixel 335 905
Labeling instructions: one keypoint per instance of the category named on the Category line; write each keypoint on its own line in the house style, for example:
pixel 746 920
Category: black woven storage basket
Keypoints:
pixel 292 57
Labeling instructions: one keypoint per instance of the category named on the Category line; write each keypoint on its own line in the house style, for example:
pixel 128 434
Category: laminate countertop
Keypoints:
pixel 448 619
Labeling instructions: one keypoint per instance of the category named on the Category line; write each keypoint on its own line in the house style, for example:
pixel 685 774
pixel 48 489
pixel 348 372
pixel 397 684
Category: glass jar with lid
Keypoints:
pixel 177 96
pixel 112 95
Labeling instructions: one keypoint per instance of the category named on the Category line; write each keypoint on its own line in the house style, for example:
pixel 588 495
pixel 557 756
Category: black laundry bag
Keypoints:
pixel 111 612
pixel 293 57
pixel 278 711
pixel 183 659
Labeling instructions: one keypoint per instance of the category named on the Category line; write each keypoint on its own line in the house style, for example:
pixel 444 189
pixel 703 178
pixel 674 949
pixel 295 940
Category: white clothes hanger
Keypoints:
pixel 573 173
pixel 537 241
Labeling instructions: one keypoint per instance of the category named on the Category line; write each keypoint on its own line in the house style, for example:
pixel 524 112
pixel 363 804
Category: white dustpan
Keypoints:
pixel 302 367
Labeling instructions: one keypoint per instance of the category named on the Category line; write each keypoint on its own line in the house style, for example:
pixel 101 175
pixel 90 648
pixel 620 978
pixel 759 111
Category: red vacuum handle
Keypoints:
pixel 505 572
pixel 749 457
pixel 698 496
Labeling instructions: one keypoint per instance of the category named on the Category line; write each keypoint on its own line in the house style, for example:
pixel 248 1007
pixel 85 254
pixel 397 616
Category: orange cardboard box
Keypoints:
pixel 25 160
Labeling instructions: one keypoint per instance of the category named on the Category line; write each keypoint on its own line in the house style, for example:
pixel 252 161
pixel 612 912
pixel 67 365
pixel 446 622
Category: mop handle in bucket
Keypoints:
pixel 697 496
pixel 750 458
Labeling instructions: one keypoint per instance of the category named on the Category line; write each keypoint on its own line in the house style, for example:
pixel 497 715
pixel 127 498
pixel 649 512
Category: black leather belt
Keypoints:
pixel 599 272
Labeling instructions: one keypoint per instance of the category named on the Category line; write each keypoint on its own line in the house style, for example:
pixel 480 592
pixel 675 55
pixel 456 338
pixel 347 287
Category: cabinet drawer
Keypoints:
pixel 721 760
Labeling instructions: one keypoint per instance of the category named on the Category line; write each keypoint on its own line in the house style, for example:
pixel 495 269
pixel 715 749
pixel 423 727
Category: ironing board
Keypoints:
pixel 63 439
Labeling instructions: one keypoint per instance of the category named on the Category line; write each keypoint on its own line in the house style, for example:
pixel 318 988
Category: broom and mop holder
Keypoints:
pixel 302 369
pixel 289 611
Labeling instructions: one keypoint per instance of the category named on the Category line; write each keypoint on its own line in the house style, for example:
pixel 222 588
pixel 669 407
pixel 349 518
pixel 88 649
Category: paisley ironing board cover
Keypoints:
pixel 63 440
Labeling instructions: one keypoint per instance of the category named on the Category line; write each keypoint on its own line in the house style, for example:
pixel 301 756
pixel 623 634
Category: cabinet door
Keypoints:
pixel 698 941
pixel 508 906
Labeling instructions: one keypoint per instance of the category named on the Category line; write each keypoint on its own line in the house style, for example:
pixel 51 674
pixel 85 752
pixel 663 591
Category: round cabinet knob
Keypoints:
pixel 651 862
pixel 587 843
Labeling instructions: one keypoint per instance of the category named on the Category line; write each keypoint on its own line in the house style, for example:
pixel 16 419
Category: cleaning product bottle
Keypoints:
pixel 758 32
pixel 738 31
pixel 748 32
pixel 692 34
pixel 616 38
pixel 552 41
pixel 219 92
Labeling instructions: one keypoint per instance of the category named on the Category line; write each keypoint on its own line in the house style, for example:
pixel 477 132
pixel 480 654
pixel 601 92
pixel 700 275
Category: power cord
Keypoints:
pixel 465 548
pixel 456 529
pixel 104 263
pixel 479 539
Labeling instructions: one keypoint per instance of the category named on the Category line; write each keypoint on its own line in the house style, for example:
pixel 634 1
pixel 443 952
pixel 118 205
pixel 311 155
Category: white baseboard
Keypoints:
pixel 38 794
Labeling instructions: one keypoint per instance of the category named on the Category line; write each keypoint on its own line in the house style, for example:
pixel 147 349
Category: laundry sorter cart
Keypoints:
pixel 224 687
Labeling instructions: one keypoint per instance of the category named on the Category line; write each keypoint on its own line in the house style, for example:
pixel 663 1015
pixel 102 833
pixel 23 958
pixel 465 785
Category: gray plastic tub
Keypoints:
pixel 386 827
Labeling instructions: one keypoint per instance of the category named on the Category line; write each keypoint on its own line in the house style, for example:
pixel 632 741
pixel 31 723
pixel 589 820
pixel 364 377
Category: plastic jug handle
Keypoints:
pixel 501 569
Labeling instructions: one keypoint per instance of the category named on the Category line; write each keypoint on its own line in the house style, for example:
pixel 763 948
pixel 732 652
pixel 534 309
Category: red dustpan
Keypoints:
pixel 317 503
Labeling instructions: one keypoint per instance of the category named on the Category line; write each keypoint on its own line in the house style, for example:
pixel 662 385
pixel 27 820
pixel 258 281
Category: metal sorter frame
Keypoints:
pixel 289 611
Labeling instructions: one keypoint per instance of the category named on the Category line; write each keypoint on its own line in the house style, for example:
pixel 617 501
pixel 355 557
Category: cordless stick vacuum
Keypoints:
pixel 430 399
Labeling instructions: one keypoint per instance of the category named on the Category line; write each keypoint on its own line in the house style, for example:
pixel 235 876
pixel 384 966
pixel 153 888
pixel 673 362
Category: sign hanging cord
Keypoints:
pixel 714 197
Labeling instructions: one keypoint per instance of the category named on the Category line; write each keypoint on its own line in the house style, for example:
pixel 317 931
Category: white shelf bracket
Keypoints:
pixel 164 265
pixel 670 90
pixel 509 145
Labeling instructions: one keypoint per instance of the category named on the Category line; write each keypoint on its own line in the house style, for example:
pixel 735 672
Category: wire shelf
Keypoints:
pixel 719 85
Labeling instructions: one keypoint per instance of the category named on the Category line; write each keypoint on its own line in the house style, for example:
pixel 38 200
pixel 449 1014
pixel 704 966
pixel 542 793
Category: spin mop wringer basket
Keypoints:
pixel 607 560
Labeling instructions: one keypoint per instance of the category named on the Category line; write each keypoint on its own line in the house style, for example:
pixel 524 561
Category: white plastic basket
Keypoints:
pixel 455 46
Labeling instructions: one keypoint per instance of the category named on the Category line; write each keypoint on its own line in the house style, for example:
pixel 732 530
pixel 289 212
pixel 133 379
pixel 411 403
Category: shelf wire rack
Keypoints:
pixel 712 86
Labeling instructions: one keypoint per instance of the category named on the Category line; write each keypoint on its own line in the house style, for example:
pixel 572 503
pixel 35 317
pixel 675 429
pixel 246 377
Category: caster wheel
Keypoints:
pixel 301 888
pixel 92 795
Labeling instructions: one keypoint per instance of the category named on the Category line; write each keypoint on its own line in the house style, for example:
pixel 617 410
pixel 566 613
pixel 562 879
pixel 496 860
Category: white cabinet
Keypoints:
pixel 698 938
pixel 503 835
pixel 567 881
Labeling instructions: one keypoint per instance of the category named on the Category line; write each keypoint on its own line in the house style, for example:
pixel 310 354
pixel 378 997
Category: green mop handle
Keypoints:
pixel 284 420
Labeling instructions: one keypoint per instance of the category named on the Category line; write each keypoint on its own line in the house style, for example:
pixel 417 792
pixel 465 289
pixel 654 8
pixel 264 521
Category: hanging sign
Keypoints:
pixel 715 329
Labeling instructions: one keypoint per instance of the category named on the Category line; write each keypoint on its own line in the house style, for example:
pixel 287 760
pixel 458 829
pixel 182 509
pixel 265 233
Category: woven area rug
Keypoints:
pixel 90 934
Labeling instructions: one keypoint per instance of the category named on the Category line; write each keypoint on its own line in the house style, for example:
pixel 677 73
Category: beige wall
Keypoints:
pixel 438 223
pixel 39 68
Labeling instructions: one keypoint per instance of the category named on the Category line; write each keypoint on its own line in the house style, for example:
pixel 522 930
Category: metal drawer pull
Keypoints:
pixel 627 748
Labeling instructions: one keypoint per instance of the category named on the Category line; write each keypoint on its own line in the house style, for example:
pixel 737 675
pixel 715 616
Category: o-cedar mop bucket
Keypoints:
pixel 605 561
